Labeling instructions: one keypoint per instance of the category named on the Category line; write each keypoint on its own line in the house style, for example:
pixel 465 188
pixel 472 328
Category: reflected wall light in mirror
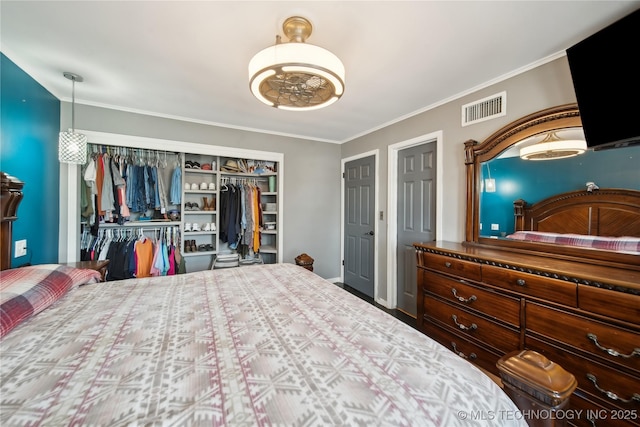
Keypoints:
pixel 553 147
pixel 489 183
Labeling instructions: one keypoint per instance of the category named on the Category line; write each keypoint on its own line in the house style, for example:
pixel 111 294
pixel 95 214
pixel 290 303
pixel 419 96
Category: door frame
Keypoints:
pixel 392 205
pixel 376 207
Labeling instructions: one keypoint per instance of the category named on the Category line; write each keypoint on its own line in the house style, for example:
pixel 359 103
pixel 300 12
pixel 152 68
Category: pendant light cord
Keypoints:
pixel 73 105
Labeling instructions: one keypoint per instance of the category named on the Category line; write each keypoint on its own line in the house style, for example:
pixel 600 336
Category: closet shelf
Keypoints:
pixel 136 224
pixel 199 212
pixel 201 191
pixel 248 175
pixel 199 233
pixel 200 253
pixel 200 171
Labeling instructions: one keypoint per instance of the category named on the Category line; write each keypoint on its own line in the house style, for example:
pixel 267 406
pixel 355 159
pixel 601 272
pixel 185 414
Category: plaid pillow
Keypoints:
pixel 24 292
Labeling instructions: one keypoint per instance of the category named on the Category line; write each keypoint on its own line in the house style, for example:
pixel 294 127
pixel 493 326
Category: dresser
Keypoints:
pixel 483 303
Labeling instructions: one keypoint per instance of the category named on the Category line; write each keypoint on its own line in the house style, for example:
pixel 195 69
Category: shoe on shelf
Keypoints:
pixel 194 186
pixel 213 226
pixel 212 186
pixel 207 227
pixel 204 186
pixel 187 226
pixel 195 227
pixel 188 164
pixel 195 207
pixel 187 186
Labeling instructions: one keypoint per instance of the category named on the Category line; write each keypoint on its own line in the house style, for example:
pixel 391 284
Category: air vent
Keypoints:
pixel 484 109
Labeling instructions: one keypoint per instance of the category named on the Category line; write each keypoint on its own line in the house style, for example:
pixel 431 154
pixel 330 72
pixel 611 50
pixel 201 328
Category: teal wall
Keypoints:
pixel 29 127
pixel 534 181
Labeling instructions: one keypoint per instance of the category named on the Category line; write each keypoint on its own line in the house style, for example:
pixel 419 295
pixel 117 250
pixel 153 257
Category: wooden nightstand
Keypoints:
pixel 100 266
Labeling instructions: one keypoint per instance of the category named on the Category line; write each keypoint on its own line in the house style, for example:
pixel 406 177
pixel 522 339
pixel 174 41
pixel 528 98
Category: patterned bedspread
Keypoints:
pixel 625 244
pixel 251 346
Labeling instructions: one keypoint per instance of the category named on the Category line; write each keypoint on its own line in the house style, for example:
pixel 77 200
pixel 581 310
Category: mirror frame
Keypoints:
pixel 540 122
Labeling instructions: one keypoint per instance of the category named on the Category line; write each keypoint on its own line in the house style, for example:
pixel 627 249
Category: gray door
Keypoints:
pixel 416 215
pixel 359 217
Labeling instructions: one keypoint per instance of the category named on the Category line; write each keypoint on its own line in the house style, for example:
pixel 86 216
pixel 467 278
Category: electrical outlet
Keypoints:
pixel 495 226
pixel 21 248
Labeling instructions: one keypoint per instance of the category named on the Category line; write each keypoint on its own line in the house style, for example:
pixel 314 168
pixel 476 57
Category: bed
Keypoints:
pixel 603 219
pixel 259 345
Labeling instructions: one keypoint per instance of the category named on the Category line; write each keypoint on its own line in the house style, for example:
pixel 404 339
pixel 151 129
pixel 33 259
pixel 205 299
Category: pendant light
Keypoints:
pixel 489 183
pixel 552 147
pixel 296 75
pixel 72 146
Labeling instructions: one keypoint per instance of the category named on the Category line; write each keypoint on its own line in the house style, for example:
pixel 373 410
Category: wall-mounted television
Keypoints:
pixel 606 79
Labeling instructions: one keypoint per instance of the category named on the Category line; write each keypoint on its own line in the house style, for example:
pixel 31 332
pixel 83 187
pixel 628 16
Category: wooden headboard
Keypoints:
pixel 9 200
pixel 606 212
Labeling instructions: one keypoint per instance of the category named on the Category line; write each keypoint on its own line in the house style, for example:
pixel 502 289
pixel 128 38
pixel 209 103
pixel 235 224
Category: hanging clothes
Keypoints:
pixel 144 257
pixel 176 186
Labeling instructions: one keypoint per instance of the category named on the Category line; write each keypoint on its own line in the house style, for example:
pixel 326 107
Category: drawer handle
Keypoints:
pixel 610 351
pixel 611 395
pixel 472 298
pixel 473 326
pixel 461 354
pixel 447 264
pixel 521 282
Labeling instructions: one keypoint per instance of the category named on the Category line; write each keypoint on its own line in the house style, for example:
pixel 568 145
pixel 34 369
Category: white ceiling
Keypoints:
pixel 188 59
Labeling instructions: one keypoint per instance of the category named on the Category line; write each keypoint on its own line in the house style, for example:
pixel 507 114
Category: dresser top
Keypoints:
pixel 583 273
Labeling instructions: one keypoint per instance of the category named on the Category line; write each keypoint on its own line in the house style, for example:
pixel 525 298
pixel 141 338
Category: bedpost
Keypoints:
pixel 9 201
pixel 518 213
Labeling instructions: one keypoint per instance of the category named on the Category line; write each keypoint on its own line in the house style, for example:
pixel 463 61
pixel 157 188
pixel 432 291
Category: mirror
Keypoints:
pixel 487 222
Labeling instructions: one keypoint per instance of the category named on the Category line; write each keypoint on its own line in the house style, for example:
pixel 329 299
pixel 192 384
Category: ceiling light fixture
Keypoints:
pixel 296 75
pixel 72 147
pixel 552 147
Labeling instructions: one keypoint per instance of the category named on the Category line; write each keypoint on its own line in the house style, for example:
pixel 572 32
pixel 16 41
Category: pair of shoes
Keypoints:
pixel 191 165
pixel 209 226
pixel 192 227
pixel 190 246
pixel 191 206
pixel 206 206
pixel 193 186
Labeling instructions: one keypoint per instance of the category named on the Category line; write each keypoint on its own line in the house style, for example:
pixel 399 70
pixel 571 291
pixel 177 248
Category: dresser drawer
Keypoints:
pixel 457 267
pixel 490 303
pixel 472 352
pixel 471 325
pixel 588 412
pixel 604 382
pixel 586 334
pixel 548 288
pixel 610 303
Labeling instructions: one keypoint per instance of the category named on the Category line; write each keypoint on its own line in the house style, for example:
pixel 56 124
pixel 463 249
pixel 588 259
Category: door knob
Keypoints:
pixel 370 233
